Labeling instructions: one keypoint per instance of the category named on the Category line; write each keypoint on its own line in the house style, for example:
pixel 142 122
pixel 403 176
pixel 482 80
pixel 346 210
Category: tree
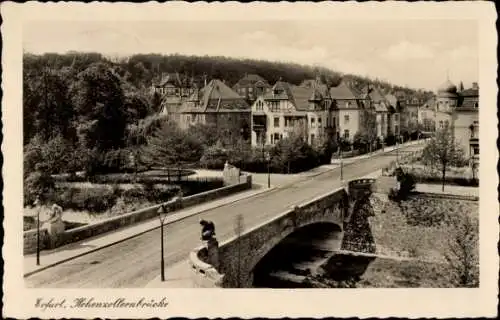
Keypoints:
pixel 99 100
pixel 366 137
pixel 206 134
pixel 136 107
pixel 442 151
pixel 169 145
pixel 156 102
pixel 47 109
pixel 54 156
pixel 462 249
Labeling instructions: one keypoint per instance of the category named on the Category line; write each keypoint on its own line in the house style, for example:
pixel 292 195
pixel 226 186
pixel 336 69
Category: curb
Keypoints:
pixel 273 188
pixel 30 273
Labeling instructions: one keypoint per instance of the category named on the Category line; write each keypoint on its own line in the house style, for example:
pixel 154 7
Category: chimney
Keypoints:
pixel 475 86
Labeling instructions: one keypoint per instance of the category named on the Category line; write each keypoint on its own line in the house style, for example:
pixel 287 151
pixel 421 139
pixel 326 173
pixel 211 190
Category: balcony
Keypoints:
pixel 259 127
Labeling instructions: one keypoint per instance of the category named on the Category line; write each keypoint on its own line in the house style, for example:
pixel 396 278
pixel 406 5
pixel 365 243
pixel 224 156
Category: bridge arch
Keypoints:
pixel 293 247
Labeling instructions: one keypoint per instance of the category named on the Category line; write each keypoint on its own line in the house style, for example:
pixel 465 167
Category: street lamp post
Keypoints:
pixel 162 214
pixel 268 159
pixel 341 164
pixel 397 150
pixel 37 203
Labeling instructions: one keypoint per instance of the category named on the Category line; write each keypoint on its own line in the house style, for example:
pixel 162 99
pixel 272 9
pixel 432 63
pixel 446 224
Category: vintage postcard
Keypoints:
pixel 250 159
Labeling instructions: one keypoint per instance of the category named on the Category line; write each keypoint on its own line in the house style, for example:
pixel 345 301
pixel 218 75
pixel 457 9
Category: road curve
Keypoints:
pixel 135 262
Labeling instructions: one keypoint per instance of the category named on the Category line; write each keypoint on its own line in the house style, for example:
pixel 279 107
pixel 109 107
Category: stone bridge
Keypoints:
pixel 231 264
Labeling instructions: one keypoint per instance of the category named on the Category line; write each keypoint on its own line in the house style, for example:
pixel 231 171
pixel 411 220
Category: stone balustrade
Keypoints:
pixel 127 219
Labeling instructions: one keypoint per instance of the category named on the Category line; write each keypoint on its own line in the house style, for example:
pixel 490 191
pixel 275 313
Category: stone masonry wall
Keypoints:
pixel 114 223
pixel 257 242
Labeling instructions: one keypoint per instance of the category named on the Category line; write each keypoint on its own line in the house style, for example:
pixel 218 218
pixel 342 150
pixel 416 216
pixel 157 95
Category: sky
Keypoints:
pixel 415 53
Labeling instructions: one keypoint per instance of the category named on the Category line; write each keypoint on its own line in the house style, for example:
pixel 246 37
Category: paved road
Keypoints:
pixel 135 262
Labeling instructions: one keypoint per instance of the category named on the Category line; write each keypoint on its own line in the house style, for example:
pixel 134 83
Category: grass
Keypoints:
pixel 415 227
pixel 389 273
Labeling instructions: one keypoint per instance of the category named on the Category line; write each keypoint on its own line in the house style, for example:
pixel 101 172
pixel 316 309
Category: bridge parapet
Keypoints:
pixel 203 275
pixel 238 256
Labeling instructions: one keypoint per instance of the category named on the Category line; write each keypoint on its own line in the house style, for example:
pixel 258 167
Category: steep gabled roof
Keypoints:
pixel 251 79
pixel 376 96
pixel 301 96
pixel 280 91
pixel 343 92
pixel 216 96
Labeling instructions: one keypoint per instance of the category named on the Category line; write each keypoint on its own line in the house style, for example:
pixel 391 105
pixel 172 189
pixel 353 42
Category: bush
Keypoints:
pixel 190 187
pixel 428 175
pixel 95 199
pixel 325 151
pixel 390 140
pixel 214 157
pixel 38 184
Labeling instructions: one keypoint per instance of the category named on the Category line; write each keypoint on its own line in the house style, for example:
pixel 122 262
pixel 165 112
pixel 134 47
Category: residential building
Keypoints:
pixel 217 104
pixel 287 109
pixel 348 105
pixel 395 110
pixel 251 86
pixel 459 110
pixel 426 115
pixel 381 107
pixel 174 89
pixel 412 109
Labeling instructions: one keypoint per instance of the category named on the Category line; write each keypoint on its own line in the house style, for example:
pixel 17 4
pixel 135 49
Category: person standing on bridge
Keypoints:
pixel 207 230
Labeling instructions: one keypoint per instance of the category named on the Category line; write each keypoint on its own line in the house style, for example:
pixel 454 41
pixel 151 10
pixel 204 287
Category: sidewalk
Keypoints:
pixel 278 179
pixel 448 189
pixel 176 276
pixel 179 274
pixel 49 258
pixel 379 151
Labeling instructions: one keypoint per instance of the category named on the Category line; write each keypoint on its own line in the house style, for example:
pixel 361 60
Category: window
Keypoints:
pixel 312 138
pixel 312 123
pixel 346 134
pixel 259 105
pixel 346 118
pixel 396 117
pixel 274 106
pixel 475 150
pixel 396 129
pixel 276 137
pixel 441 124
pixel 446 123
pixel 276 122
pixel 188 118
pixel 319 122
